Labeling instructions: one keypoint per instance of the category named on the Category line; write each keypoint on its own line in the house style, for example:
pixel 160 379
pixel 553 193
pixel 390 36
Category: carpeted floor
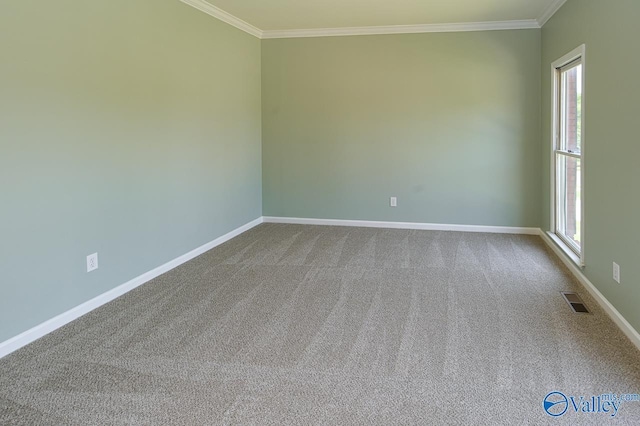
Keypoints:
pixel 290 324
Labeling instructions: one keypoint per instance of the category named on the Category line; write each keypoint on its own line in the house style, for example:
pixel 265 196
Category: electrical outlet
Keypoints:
pixel 92 262
pixel 394 202
pixel 616 272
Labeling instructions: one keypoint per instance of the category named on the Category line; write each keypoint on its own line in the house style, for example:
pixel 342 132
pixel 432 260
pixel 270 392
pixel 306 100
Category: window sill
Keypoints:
pixel 567 251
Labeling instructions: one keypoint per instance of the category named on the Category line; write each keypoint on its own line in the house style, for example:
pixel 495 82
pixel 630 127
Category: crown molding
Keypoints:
pixel 220 14
pixel 404 29
pixel 550 11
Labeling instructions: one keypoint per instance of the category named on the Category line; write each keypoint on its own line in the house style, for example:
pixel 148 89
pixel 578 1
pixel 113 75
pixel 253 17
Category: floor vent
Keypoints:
pixel 575 302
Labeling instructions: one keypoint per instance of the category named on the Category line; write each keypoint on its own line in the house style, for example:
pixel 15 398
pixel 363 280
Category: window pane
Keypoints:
pixel 569 199
pixel 571 113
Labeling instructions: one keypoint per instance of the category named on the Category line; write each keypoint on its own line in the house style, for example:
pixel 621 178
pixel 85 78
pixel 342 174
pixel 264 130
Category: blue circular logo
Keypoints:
pixel 555 404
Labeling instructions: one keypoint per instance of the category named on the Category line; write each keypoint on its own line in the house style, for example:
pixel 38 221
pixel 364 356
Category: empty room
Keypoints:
pixel 319 212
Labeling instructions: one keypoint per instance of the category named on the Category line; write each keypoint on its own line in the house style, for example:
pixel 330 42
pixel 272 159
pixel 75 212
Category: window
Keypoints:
pixel 568 148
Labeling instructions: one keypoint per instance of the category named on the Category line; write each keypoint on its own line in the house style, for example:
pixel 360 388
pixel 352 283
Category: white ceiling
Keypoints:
pixel 317 18
pixel 270 15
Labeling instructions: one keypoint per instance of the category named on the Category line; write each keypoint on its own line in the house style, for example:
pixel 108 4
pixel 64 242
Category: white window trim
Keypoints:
pixel 578 53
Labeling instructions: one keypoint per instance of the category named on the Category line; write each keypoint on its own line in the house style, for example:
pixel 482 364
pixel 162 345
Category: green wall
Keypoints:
pixel 133 129
pixel 449 123
pixel 612 213
pixel 127 128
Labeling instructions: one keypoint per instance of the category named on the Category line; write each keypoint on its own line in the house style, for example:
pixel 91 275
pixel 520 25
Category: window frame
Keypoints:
pixel 576 56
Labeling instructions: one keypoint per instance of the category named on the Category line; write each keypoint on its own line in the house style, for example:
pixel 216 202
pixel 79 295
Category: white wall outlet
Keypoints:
pixel 92 262
pixel 616 272
pixel 393 202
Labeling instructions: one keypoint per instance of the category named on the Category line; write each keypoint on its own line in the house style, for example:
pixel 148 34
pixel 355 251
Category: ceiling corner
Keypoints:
pixel 550 11
pixel 220 14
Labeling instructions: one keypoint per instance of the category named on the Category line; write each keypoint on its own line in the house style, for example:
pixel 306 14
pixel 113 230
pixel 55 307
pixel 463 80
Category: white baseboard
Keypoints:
pixel 48 326
pixel 616 316
pixel 405 225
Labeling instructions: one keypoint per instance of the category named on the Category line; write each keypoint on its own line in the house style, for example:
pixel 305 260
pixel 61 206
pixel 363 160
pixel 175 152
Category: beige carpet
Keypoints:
pixel 291 324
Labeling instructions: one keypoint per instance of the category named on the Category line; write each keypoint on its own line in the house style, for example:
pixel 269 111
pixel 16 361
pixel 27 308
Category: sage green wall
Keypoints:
pixel 612 212
pixel 127 128
pixel 449 123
